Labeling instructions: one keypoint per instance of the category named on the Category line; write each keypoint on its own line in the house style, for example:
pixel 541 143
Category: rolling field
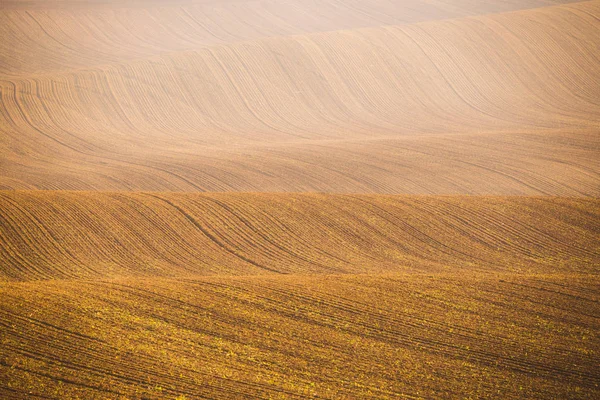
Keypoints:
pixel 237 295
pixel 467 105
pixel 352 336
pixel 85 235
pixel 299 199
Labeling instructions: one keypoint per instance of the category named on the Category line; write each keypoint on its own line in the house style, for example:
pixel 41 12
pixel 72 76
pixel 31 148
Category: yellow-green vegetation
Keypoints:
pixel 329 336
pixel 357 296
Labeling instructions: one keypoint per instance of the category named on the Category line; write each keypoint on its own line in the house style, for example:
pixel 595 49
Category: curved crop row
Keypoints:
pixel 358 110
pixel 62 235
pixel 50 36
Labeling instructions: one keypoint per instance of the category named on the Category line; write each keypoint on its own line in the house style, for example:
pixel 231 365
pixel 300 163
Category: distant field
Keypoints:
pixel 62 35
pixel 503 104
pixel 299 199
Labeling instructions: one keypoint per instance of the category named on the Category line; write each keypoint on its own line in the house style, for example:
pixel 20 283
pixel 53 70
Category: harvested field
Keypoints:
pixel 299 199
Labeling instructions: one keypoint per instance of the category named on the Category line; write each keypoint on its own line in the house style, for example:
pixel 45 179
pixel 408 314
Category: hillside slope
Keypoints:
pixel 498 104
pixel 60 235
pixel 283 337
pixel 299 199
pixel 56 35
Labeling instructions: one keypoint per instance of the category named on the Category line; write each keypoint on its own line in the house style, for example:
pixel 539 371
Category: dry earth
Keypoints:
pixel 291 337
pixel 77 235
pixel 330 199
pixel 497 104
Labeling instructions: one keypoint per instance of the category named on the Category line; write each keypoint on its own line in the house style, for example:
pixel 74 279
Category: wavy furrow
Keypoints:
pixel 61 235
pixel 66 36
pixel 432 107
pixel 356 199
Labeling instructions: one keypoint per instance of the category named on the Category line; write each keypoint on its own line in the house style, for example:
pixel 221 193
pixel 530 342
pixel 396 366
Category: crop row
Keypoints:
pixel 357 110
pixel 73 235
pixel 53 36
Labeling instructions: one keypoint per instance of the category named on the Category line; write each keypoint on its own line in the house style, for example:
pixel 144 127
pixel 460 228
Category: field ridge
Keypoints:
pixel 199 121
pixel 91 235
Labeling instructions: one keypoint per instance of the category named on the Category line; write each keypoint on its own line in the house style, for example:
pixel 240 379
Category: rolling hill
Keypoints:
pixel 84 235
pixel 61 35
pixel 328 337
pixel 459 106
pixel 299 199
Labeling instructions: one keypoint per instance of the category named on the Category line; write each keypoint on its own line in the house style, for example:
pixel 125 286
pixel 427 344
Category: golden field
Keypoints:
pixel 299 199
pixel 323 336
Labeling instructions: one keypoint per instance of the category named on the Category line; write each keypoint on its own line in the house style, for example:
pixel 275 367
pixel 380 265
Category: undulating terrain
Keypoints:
pixel 273 199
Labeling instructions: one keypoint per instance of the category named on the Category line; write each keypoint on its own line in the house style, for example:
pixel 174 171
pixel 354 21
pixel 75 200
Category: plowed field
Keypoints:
pixel 299 199
pixel 407 336
pixel 59 235
pixel 496 104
